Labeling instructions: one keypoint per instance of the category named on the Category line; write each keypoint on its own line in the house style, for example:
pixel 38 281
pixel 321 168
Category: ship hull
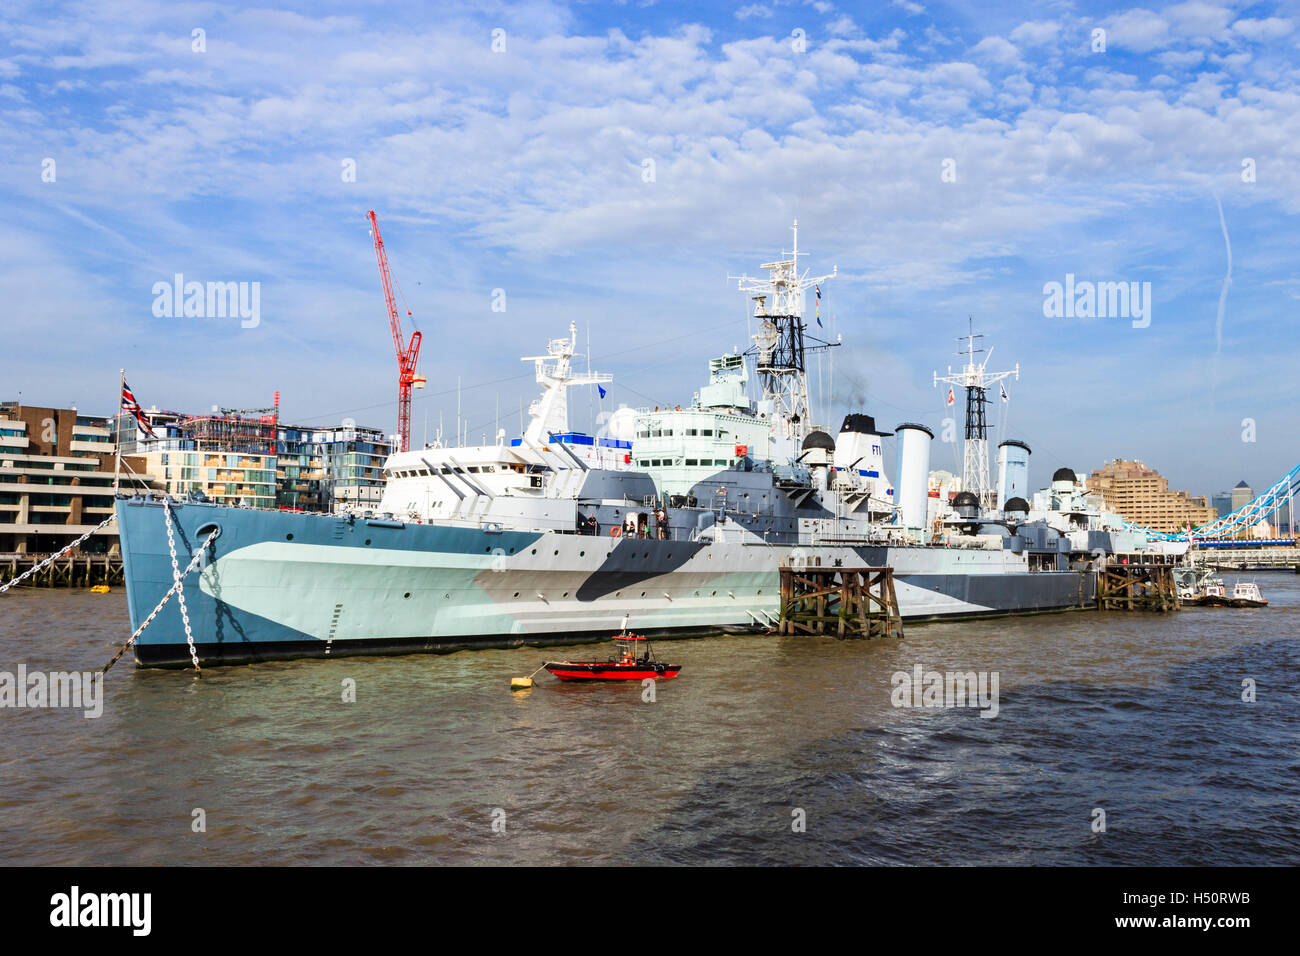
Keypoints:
pixel 282 585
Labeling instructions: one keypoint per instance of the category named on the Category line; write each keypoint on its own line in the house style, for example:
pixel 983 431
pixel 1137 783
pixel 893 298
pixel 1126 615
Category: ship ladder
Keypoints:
pixel 178 577
pixel 54 557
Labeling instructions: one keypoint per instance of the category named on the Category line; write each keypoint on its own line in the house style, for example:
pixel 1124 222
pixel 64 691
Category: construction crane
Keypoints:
pixel 406 355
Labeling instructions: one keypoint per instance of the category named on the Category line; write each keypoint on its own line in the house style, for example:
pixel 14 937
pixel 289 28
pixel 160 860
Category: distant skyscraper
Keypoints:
pixel 1222 502
pixel 1241 495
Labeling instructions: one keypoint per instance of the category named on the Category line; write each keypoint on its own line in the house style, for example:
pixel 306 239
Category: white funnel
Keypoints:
pixel 913 486
pixel 1013 471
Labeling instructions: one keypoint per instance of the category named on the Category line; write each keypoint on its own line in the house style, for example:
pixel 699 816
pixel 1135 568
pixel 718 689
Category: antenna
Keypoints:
pixel 976 379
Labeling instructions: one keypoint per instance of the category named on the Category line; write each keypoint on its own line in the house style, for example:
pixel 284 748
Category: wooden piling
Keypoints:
pixel 1137 587
pixel 81 571
pixel 848 602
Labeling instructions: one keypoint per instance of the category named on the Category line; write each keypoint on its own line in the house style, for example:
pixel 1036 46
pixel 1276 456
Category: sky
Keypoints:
pixel 612 164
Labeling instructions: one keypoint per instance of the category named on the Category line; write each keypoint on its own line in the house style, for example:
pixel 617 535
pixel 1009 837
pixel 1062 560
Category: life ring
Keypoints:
pixel 615 531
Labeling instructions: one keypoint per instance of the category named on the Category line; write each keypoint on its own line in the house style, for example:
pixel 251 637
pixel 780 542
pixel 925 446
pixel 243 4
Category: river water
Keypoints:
pixel 765 751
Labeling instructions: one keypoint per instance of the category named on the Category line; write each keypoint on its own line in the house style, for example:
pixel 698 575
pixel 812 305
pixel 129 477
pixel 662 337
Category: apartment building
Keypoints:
pixel 1142 495
pixel 56 479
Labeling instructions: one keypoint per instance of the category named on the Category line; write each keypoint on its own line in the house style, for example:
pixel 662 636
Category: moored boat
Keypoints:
pixel 634 661
pixel 1247 594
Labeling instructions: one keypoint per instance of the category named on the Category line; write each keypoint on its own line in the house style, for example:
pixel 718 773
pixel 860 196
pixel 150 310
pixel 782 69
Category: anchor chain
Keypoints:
pixel 32 570
pixel 178 577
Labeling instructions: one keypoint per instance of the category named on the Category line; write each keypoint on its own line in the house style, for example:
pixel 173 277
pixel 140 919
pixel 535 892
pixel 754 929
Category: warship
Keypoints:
pixel 674 521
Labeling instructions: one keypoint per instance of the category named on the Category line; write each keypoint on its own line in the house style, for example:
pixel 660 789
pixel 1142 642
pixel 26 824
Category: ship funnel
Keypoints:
pixel 1013 471
pixel 913 488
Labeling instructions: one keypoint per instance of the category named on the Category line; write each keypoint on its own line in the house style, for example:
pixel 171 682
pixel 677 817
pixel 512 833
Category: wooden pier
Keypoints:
pixel 846 602
pixel 1137 587
pixel 70 571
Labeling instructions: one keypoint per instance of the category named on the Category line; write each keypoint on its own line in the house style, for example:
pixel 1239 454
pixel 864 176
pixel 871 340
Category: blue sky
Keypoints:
pixel 522 169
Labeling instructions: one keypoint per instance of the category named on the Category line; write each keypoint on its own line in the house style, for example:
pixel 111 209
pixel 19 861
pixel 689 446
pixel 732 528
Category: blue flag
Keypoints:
pixel 601 389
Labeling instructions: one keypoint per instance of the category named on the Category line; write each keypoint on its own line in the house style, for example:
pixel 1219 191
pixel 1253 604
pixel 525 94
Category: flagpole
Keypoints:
pixel 117 432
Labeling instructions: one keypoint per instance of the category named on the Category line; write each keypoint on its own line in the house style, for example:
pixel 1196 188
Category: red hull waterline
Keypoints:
pixel 573 671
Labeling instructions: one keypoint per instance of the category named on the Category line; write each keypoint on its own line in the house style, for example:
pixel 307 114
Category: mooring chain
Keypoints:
pixel 32 570
pixel 177 577
pixel 175 588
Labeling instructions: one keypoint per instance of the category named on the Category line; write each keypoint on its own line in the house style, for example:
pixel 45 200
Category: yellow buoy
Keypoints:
pixel 100 589
pixel 520 683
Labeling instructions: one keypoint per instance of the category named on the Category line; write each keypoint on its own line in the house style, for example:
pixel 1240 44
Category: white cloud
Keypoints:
pixel 997 50
pixel 753 10
pixel 842 27
pixel 1180 60
pixel 1272 28
pixel 1199 19
pixel 1035 33
pixel 1139 30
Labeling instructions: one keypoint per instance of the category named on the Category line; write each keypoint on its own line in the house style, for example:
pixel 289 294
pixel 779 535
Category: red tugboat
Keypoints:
pixel 634 661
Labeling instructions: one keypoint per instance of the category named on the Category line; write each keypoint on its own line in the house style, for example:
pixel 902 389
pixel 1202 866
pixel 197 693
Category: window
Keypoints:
pixel 691 462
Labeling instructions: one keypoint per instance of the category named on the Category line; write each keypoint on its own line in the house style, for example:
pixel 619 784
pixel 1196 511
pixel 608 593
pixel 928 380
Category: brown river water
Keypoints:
pixel 766 750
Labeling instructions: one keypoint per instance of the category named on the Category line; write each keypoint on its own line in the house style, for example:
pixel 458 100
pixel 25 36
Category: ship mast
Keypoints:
pixel 976 379
pixel 780 344
pixel 550 413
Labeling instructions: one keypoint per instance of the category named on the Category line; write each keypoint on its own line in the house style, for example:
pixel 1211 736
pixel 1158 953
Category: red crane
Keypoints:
pixel 406 356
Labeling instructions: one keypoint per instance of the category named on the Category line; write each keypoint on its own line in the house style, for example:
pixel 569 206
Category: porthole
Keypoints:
pixel 367 542
pixel 534 550
pixel 407 594
pixel 516 594
pixel 288 537
pixel 643 594
pixel 582 554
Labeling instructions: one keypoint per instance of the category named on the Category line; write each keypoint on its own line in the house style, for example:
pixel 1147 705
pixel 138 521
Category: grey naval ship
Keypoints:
pixel 669 521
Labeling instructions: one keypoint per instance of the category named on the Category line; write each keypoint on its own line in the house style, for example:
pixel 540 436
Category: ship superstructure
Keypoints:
pixel 676 521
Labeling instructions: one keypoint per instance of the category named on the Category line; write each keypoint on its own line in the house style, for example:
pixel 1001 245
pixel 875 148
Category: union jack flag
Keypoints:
pixel 129 404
